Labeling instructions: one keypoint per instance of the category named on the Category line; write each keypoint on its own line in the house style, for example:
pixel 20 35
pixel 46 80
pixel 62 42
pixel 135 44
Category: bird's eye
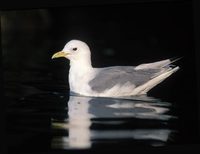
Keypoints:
pixel 74 49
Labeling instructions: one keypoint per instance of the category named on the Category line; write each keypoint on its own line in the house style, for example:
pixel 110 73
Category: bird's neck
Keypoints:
pixel 82 66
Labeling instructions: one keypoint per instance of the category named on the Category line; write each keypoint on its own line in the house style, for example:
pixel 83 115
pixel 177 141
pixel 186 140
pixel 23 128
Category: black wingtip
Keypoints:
pixel 174 59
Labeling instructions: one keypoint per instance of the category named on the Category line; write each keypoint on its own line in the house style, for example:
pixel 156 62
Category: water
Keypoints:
pixel 54 121
pixel 95 120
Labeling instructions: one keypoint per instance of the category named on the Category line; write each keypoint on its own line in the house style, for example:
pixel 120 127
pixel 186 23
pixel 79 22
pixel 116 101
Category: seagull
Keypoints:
pixel 114 81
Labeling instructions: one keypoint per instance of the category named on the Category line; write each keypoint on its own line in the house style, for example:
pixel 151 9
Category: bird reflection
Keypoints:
pixel 84 112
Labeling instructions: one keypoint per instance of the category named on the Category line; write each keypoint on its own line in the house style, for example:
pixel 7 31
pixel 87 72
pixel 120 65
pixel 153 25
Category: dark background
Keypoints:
pixel 118 34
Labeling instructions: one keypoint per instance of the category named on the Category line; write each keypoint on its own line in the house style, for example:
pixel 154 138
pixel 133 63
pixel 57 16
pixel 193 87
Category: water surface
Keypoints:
pixel 58 121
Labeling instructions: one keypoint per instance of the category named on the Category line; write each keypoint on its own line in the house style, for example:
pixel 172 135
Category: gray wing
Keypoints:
pixel 108 77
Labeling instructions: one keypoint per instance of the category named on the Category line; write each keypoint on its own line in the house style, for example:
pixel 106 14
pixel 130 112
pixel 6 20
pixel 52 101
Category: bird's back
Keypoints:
pixel 137 80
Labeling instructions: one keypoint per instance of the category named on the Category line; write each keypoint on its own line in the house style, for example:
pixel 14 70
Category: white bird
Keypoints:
pixel 115 81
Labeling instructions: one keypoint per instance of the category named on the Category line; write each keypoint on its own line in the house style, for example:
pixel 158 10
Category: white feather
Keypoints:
pixel 81 73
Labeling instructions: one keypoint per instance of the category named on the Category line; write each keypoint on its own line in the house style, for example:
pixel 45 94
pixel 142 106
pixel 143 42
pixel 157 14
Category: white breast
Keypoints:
pixel 79 78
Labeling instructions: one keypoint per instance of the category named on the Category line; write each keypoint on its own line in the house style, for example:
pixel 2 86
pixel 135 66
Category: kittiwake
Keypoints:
pixel 114 81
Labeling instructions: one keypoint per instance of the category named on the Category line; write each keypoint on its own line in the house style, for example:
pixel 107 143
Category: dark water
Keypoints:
pixel 42 116
pixel 142 121
pixel 55 121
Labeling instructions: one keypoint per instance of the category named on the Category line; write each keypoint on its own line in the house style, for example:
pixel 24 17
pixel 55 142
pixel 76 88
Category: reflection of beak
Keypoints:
pixel 59 54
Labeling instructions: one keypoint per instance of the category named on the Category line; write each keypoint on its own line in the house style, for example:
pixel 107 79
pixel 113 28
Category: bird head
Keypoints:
pixel 74 50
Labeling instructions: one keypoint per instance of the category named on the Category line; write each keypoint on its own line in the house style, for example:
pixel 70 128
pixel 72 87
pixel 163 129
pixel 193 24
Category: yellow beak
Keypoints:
pixel 59 54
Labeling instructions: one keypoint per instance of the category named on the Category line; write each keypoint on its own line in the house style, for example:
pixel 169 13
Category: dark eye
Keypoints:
pixel 74 49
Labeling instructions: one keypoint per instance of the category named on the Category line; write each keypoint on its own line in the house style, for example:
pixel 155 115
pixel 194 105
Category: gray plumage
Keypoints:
pixel 108 77
pixel 117 81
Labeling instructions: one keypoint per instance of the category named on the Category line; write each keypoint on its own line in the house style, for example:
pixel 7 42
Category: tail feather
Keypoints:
pixel 155 81
pixel 143 89
pixel 171 62
pixel 167 63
